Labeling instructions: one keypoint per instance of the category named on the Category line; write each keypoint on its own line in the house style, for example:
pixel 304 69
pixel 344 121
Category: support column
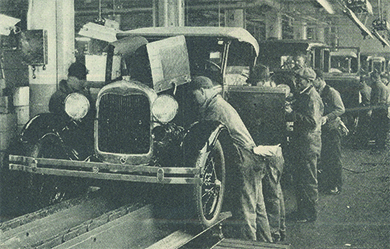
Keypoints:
pixel 300 30
pixel 235 18
pixel 320 33
pixel 171 13
pixel 57 18
pixel 273 25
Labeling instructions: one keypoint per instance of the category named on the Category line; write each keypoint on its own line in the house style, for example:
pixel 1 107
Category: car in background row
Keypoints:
pixel 340 67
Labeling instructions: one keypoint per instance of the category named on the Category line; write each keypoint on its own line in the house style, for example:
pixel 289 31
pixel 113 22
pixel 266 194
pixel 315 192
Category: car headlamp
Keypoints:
pixel 76 106
pixel 165 108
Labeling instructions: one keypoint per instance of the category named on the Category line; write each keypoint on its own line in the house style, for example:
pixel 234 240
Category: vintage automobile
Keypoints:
pixel 279 55
pixel 344 75
pixel 145 127
pixel 344 60
pixel 373 62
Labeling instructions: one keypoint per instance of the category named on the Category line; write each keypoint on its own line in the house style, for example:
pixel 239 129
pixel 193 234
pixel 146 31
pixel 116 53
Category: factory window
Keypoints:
pixel 287 27
pixel 311 33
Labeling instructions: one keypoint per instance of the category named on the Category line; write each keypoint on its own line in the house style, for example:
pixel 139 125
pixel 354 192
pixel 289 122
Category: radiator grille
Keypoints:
pixel 124 124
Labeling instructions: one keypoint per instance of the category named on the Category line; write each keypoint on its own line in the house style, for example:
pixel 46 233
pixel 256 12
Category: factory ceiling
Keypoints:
pixel 304 9
pixel 314 12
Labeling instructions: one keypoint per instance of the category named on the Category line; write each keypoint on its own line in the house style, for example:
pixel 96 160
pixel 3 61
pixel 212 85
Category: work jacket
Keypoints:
pixel 333 107
pixel 307 112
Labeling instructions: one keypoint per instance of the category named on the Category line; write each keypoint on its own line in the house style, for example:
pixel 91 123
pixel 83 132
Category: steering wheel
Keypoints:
pixel 211 66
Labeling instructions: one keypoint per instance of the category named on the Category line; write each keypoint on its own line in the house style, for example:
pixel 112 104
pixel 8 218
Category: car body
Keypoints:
pixel 279 55
pixel 377 63
pixel 344 75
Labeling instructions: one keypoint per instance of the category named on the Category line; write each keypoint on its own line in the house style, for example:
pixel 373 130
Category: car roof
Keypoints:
pixel 308 43
pixel 376 58
pixel 343 53
pixel 240 34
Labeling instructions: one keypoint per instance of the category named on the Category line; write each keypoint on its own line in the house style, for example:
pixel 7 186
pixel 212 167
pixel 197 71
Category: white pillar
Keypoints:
pixel 171 13
pixel 300 30
pixel 57 18
pixel 320 33
pixel 273 24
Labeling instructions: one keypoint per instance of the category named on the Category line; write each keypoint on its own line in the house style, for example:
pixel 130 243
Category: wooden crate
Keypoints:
pixel 23 114
pixel 21 96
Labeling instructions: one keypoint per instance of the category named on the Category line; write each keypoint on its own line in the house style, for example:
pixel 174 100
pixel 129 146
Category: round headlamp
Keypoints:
pixel 76 106
pixel 165 108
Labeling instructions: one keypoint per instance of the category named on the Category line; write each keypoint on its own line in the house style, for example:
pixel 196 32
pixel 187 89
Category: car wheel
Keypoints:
pixel 44 189
pixel 208 195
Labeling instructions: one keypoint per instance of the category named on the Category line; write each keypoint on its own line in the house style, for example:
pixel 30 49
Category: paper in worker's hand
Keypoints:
pixel 266 150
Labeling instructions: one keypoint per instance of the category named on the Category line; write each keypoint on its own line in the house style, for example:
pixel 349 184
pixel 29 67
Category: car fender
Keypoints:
pixel 201 138
pixel 40 125
pixel 36 128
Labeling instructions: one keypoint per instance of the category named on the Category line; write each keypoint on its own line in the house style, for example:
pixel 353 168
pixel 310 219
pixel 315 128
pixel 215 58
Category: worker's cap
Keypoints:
pixel 78 70
pixel 201 82
pixel 306 73
pixel 319 73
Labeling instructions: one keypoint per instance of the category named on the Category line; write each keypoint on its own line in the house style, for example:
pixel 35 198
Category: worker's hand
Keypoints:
pixel 324 119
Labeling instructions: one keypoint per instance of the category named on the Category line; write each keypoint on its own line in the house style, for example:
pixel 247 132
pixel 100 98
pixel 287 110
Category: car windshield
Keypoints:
pixel 282 56
pixel 344 60
pixel 344 64
pixel 377 65
pixel 206 58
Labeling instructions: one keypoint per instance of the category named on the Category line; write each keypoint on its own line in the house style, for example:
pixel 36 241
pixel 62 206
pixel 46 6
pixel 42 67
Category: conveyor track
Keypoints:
pixel 96 223
pixel 50 226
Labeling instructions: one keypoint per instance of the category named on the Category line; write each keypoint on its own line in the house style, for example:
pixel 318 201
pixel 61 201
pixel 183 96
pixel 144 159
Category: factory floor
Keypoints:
pixel 358 217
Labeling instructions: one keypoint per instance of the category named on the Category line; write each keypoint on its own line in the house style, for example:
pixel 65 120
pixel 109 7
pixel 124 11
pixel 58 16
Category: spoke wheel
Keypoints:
pixel 209 195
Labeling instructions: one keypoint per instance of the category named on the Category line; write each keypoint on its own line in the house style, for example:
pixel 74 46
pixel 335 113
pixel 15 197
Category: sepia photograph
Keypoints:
pixel 195 124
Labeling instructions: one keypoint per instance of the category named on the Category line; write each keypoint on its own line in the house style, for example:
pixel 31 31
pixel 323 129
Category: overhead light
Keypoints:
pixel 326 5
pixel 380 38
pixel 7 24
pixel 380 25
pixel 355 19
pixel 360 6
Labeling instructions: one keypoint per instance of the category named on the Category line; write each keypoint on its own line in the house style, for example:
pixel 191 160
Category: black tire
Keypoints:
pixel 47 190
pixel 208 196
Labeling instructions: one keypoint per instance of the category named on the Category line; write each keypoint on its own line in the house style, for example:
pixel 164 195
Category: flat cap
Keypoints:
pixel 201 82
pixel 78 70
pixel 306 73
